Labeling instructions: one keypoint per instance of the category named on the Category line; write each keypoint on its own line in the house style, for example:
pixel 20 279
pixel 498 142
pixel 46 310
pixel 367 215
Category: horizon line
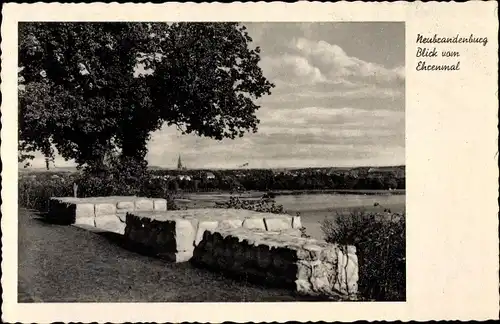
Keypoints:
pixel 236 168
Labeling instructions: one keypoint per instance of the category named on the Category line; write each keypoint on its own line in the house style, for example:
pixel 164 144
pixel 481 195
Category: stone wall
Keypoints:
pixel 309 266
pixel 106 213
pixel 173 235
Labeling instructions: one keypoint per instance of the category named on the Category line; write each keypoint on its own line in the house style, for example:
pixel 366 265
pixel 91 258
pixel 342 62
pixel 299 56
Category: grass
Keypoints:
pixel 69 264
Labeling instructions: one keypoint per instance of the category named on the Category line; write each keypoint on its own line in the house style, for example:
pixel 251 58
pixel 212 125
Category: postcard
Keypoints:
pixel 249 162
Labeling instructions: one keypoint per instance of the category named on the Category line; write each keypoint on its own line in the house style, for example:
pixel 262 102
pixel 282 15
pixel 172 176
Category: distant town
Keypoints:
pixel 321 178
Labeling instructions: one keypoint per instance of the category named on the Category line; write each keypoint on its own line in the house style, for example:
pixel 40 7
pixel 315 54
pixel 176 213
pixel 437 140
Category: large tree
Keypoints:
pixel 82 91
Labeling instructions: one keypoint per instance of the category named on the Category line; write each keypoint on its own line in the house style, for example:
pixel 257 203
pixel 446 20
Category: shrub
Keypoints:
pixel 379 239
pixel 262 205
pixel 34 192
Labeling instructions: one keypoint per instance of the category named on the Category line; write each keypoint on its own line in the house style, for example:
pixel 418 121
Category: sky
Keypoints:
pixel 339 100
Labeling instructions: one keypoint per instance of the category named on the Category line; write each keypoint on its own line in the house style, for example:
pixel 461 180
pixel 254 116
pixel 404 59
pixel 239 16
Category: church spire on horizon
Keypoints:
pixel 179 163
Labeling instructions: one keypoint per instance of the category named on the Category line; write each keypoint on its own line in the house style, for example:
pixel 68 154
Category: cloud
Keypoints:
pixel 328 107
pixel 339 100
pixel 330 115
pixel 317 67
pixel 312 135
pixel 294 69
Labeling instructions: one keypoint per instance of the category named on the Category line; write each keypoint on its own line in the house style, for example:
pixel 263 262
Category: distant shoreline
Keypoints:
pixel 305 192
pixel 340 192
pixel 154 168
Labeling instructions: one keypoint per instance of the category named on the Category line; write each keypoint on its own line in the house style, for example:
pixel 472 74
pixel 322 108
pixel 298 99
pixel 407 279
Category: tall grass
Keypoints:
pixel 379 239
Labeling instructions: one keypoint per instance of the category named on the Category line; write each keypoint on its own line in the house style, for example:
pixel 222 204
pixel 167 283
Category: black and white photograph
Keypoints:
pixel 249 162
pixel 211 161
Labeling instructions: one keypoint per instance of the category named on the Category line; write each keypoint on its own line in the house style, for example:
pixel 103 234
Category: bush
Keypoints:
pixel 379 239
pixel 34 191
pixel 263 205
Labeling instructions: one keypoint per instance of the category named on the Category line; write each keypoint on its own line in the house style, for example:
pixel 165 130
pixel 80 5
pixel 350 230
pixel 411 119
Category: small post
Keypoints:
pixel 75 189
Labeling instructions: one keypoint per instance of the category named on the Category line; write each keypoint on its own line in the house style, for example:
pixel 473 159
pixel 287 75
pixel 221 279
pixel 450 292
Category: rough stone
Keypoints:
pixel 304 270
pixel 278 259
pixel 347 267
pixel 314 251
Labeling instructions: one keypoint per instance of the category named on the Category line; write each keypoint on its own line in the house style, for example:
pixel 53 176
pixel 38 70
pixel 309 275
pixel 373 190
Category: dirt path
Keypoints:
pixel 68 264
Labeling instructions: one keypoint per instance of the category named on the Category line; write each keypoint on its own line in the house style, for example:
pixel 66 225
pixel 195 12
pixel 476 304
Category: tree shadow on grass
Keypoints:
pixel 42 217
pixel 116 239
pixel 119 240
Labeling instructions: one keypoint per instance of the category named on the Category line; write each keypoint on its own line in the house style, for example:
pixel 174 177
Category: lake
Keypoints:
pixel 313 208
pixel 336 202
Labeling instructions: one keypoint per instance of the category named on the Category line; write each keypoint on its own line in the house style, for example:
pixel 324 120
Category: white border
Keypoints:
pixel 451 145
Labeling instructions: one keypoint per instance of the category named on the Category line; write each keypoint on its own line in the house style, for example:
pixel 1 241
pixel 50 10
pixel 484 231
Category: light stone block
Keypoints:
pixel 292 232
pixel 254 223
pixel 84 211
pixel 184 235
pixel 296 223
pixel 122 216
pixel 277 224
pixel 124 206
pixel 144 205
pixel 104 209
pixel 230 223
pixel 177 257
pixel 202 227
pixel 105 219
pixel 110 223
pixel 160 204
pixel 90 221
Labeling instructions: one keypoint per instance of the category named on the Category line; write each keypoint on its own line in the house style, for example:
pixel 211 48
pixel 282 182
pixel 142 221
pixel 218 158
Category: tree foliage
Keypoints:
pixel 95 91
